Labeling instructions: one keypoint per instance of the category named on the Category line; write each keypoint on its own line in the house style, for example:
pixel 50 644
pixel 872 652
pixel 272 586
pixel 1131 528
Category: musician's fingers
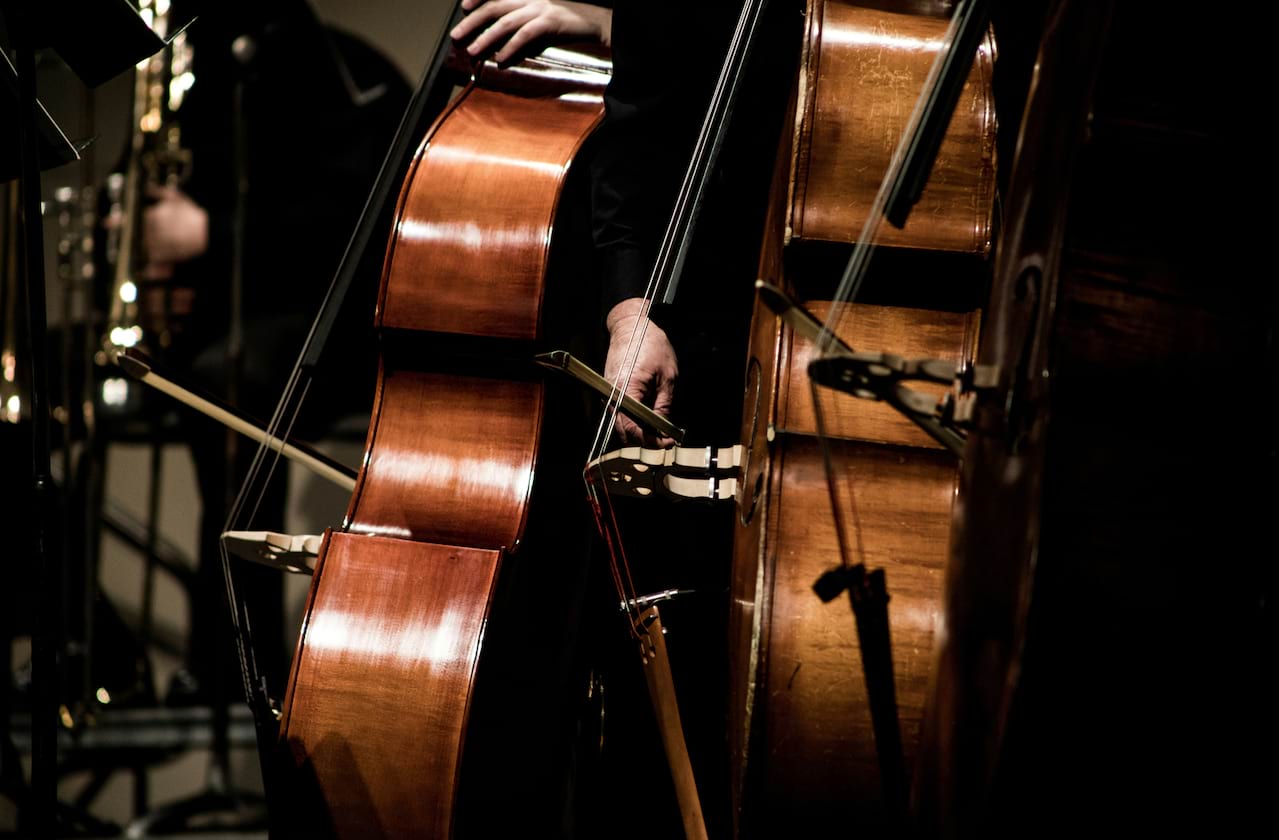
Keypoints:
pixel 658 392
pixel 480 14
pixel 501 20
pixel 654 440
pixel 498 37
pixel 529 32
pixel 628 431
pixel 664 397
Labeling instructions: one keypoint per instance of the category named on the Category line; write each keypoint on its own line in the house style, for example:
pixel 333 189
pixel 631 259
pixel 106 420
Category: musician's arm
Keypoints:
pixel 665 54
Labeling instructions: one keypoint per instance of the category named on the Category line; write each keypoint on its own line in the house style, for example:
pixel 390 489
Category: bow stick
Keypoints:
pixel 139 366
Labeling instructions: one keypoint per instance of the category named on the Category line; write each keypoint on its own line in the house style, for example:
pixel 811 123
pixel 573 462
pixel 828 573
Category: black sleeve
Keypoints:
pixel 666 57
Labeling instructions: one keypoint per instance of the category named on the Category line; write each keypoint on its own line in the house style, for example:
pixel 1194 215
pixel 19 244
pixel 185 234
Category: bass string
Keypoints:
pixel 671 253
pixel 266 459
pixel 850 286
pixel 606 521
pixel 254 487
pixel 663 279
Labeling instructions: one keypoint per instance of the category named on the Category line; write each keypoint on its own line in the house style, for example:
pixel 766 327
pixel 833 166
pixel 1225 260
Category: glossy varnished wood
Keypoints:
pixel 456 467
pixel 803 747
pixel 801 731
pixel 746 609
pixel 470 247
pixel 401 633
pixel 821 758
pixel 911 333
pixel 863 71
pixel 380 688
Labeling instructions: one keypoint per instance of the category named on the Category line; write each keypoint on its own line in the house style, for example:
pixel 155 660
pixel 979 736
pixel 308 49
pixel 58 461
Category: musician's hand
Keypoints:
pixel 174 229
pixel 655 373
pixel 505 27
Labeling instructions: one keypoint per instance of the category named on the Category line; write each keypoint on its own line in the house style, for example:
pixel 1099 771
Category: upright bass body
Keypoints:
pixel 423 664
pixel 1109 650
pixel 801 735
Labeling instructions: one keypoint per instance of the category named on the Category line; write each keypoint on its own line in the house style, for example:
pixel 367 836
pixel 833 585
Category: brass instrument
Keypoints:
pixel 141 311
pixel 73 213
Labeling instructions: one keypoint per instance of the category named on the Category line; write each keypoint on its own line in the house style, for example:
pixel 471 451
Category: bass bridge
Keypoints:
pixel 707 473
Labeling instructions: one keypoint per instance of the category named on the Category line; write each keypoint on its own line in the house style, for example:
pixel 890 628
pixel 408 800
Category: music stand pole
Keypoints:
pixel 44 669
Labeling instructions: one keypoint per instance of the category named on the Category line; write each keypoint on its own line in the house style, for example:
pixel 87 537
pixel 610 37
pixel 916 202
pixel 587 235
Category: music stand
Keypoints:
pixel 54 148
pixel 99 40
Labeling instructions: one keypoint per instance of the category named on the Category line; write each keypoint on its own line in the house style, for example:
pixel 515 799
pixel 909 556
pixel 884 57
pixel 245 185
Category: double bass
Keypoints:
pixel 433 674
pixel 833 486
pixel 811 743
pixel 1109 625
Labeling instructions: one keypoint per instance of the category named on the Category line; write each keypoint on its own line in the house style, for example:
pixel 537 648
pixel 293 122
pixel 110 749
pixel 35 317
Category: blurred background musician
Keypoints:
pixel 286 124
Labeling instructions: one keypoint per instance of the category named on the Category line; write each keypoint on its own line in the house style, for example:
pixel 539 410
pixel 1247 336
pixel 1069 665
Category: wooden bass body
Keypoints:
pixel 801 735
pixel 1109 630
pixel 423 694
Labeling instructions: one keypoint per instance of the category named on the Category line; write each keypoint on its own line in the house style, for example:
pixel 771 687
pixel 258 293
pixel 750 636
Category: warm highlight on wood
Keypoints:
pixel 863 71
pixel 380 687
pixel 468 254
pixel 402 623
pixel 457 465
pixel 911 333
pixel 804 750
